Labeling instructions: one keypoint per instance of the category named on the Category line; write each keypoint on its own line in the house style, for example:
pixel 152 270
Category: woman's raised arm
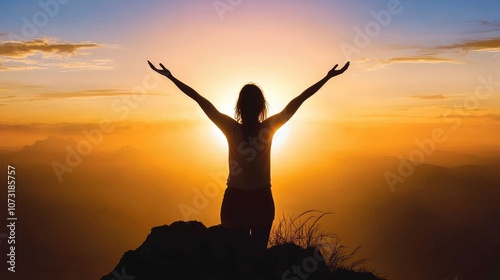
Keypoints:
pixel 221 120
pixel 292 107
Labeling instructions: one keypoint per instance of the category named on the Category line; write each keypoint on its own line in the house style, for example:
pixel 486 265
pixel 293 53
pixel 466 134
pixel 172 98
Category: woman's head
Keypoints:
pixel 251 106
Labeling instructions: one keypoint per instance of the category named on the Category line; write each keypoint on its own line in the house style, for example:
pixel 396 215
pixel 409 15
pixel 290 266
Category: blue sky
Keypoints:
pixel 79 16
pixel 429 48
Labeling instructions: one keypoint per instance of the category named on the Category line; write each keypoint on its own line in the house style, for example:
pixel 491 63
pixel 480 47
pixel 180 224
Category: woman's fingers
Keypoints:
pixel 346 66
pixel 163 70
pixel 152 66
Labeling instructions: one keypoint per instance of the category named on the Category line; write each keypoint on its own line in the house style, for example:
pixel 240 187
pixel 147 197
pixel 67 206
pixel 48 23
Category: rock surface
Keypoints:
pixel 189 250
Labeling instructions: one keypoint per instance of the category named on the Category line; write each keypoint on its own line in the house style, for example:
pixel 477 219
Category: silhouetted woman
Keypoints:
pixel 248 203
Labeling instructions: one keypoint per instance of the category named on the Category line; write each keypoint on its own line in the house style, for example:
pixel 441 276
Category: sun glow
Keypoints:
pixel 279 139
pixel 219 137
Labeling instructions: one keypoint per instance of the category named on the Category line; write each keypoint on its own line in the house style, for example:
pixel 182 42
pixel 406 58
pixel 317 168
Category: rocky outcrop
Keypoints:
pixel 189 250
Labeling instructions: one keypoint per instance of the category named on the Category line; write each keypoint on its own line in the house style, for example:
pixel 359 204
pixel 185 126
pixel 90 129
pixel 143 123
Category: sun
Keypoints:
pixel 219 137
pixel 280 138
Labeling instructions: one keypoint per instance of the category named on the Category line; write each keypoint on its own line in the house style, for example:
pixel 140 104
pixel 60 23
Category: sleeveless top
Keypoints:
pixel 250 159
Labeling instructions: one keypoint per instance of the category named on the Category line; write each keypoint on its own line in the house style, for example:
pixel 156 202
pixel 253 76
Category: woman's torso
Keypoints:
pixel 250 157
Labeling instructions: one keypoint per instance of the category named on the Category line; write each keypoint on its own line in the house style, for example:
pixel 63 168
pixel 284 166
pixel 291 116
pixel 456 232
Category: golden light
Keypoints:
pixel 225 104
pixel 219 137
pixel 279 139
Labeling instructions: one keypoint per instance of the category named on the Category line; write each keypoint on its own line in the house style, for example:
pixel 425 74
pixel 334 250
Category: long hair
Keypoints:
pixel 250 109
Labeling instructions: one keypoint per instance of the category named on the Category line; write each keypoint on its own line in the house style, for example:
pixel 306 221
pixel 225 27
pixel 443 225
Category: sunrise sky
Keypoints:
pixel 70 68
pixel 80 62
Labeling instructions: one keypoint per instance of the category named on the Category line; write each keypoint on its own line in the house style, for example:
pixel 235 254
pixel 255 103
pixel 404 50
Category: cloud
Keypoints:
pixel 484 26
pixel 401 109
pixel 18 93
pixel 434 54
pixel 10 86
pixel 420 59
pixel 376 64
pixel 7 97
pixel 69 128
pixel 489 23
pixel 88 94
pixel 487 45
pixel 22 49
pixel 473 115
pixel 84 94
pixel 96 64
pixel 429 97
pixel 45 53
pixel 20 68
pixel 469 113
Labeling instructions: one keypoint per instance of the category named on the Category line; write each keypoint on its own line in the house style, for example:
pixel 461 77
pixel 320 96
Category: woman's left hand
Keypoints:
pixel 164 71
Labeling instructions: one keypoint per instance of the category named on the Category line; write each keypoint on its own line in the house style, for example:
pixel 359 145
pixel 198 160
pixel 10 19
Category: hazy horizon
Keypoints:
pixel 122 194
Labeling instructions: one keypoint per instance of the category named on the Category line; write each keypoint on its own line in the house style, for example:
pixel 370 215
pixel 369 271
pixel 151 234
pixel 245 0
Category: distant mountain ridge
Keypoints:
pixel 56 148
pixel 438 223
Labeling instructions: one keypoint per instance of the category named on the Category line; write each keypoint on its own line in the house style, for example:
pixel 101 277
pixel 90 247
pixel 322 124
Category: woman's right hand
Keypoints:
pixel 334 72
pixel 164 71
